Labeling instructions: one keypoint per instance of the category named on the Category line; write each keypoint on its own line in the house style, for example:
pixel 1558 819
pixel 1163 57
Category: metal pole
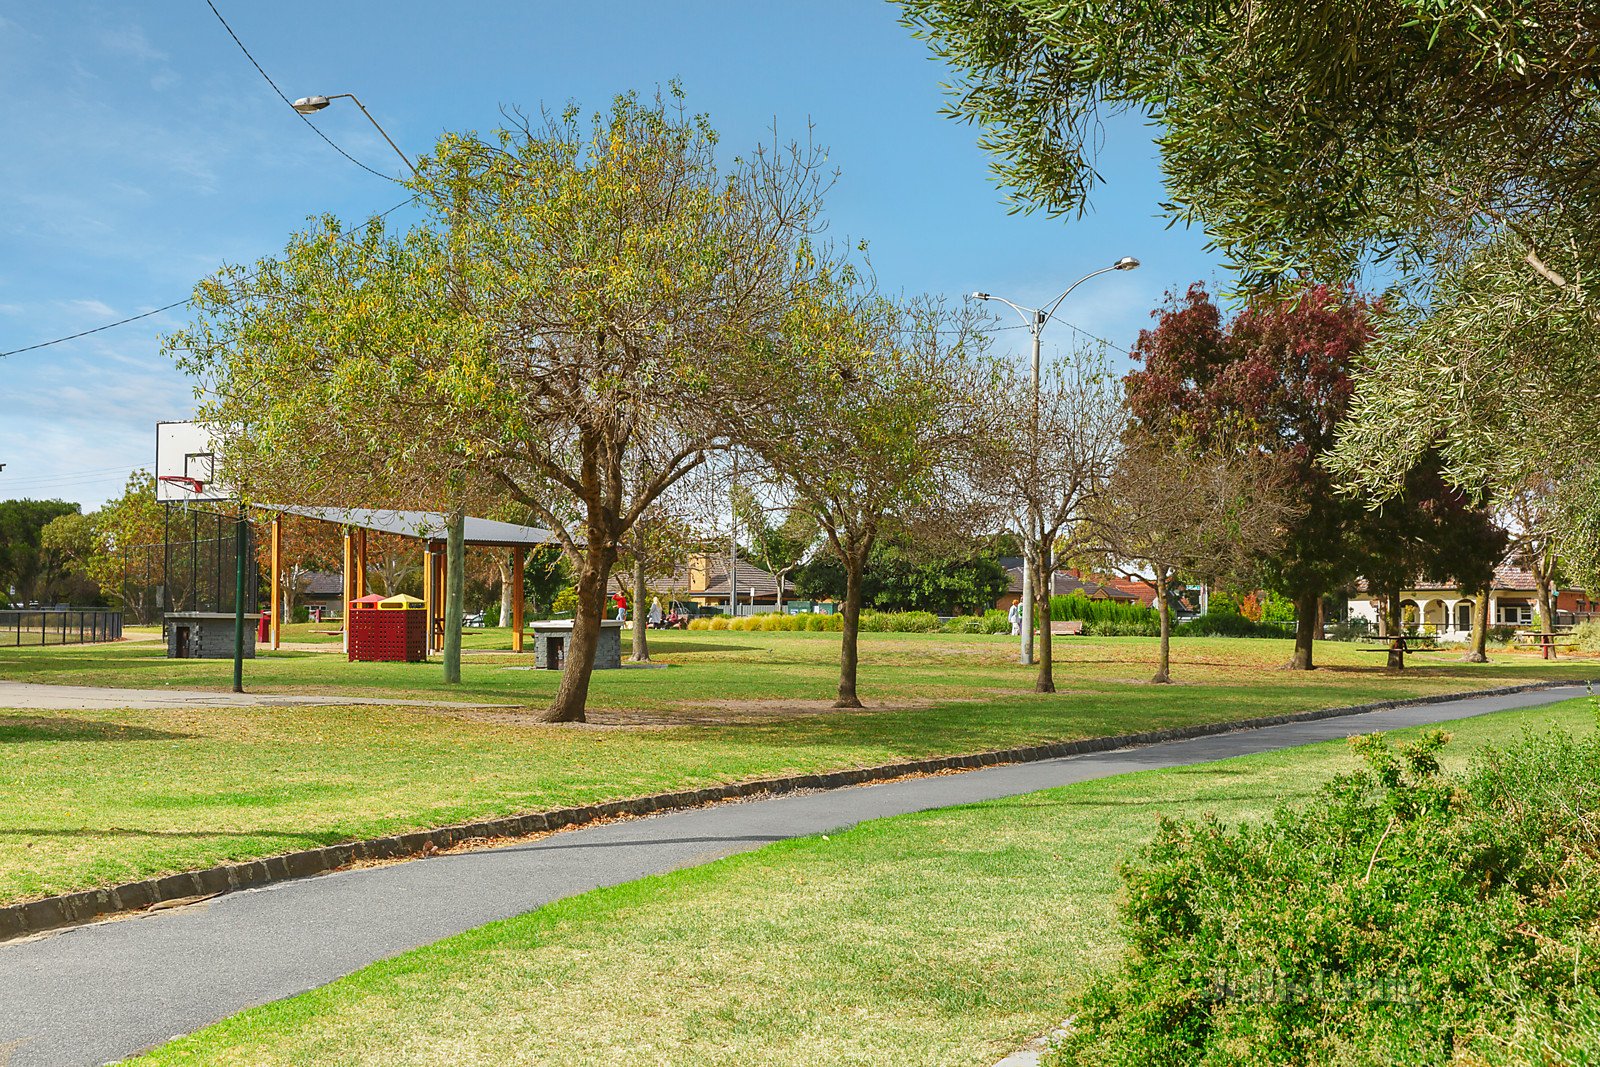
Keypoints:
pixel 1026 652
pixel 241 548
pixel 733 545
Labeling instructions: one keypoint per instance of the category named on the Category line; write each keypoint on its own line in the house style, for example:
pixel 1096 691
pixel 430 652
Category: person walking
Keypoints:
pixel 656 614
pixel 1015 615
pixel 622 606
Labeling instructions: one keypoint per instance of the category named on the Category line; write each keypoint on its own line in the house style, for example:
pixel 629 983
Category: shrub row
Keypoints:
pixel 1226 624
pixel 993 621
pixel 1406 916
pixel 1586 635
pixel 770 621
pixel 1079 607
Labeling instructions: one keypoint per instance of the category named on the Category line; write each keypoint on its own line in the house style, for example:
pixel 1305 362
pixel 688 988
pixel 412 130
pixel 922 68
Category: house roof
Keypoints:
pixel 322 583
pixel 748 576
pixel 1063 584
pixel 1509 575
pixel 423 525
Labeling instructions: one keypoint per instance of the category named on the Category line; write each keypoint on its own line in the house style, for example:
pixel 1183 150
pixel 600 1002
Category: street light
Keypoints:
pixel 310 105
pixel 1035 319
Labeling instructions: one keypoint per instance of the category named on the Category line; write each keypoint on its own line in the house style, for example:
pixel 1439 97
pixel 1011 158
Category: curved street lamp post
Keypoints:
pixel 1035 318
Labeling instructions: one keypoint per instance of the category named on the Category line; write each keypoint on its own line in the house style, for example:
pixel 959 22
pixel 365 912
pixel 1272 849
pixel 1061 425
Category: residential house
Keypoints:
pixel 1443 609
pixel 704 585
pixel 1063 583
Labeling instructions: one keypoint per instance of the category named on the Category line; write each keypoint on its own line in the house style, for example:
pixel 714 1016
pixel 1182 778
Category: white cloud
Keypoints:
pixel 131 41
pixel 92 307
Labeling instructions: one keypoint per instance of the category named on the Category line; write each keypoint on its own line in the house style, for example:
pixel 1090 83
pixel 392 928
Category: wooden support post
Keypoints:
pixel 347 584
pixel 275 598
pixel 519 557
pixel 361 563
pixel 441 572
pixel 429 604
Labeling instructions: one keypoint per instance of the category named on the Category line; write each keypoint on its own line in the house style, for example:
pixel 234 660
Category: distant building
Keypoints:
pixel 1444 609
pixel 704 584
pixel 324 589
pixel 1064 583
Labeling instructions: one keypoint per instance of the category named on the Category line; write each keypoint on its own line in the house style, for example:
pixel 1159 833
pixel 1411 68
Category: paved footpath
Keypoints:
pixel 97 993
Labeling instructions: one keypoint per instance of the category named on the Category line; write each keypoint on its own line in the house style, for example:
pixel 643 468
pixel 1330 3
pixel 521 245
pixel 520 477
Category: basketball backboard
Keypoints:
pixel 188 464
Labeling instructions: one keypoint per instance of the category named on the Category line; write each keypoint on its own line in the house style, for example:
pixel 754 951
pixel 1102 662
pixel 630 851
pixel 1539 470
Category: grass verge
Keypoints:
pixel 90 798
pixel 944 937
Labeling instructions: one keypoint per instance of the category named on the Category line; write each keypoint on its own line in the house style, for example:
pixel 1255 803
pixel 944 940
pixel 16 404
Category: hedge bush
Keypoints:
pixel 1586 634
pixel 1129 628
pixel 1077 606
pixel 1225 624
pixel 1406 916
pixel 899 622
pixel 993 621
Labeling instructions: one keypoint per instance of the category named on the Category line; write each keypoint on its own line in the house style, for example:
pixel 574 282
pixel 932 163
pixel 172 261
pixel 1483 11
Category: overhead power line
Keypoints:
pixel 312 126
pixel 176 303
pixel 97 329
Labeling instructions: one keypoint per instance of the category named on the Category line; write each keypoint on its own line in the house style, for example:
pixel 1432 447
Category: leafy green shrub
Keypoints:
pixel 1404 917
pixel 1586 635
pixel 1115 628
pixel 718 622
pixel 1225 624
pixel 1079 607
pixel 990 622
pixel 300 614
pixel 1502 635
pixel 1349 629
pixel 902 622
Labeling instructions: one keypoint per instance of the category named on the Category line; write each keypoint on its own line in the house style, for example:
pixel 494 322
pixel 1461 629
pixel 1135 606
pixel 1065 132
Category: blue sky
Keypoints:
pixel 142 150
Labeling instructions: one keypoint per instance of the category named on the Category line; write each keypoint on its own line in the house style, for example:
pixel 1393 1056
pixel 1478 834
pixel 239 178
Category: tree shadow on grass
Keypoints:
pixel 20 729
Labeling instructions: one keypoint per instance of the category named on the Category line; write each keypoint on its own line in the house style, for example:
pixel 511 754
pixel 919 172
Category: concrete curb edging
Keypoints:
pixel 73 909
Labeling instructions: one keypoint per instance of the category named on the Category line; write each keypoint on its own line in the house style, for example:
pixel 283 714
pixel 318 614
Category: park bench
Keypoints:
pixel 1070 626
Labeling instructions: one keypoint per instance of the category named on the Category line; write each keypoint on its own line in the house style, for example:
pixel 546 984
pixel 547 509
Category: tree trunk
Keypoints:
pixel 1479 652
pixel 1163 675
pixel 1547 606
pixel 1396 658
pixel 1043 571
pixel 641 641
pixel 850 646
pixel 455 592
pixel 572 696
pixel 504 563
pixel 1305 631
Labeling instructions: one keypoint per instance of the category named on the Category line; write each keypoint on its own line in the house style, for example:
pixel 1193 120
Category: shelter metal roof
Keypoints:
pixel 423 525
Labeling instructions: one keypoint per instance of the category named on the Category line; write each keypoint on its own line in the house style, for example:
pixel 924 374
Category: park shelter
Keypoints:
pixel 426 527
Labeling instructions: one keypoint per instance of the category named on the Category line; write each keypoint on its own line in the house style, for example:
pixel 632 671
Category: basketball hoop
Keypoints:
pixel 193 485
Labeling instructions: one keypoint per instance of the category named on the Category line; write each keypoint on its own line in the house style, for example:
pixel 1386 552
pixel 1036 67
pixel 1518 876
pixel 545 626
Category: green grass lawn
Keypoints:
pixel 947 937
pixel 91 798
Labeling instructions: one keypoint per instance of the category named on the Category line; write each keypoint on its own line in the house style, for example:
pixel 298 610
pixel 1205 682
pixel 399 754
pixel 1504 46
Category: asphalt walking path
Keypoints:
pixel 96 993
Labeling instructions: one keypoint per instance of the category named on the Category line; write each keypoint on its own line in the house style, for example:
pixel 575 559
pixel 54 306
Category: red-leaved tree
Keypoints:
pixel 1275 380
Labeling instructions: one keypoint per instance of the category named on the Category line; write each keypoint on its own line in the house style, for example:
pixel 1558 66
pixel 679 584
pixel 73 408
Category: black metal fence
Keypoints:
pixel 58 626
